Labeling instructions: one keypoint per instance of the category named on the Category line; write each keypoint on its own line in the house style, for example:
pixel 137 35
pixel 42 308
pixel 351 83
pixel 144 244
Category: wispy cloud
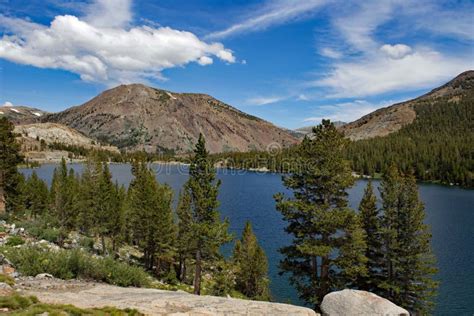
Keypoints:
pixel 102 47
pixel 376 65
pixel 264 100
pixel 382 73
pixel 273 13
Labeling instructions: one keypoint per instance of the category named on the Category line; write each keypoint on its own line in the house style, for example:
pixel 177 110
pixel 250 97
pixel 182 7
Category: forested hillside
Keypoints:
pixel 438 145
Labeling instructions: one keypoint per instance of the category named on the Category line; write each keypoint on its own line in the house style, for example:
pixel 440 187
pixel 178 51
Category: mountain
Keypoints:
pixel 309 129
pixel 387 120
pixel 139 117
pixel 21 114
pixel 31 136
pixel 432 136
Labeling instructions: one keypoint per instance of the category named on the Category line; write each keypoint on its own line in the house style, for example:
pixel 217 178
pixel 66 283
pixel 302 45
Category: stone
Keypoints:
pixel 8 269
pixel 44 276
pixel 354 303
pixel 151 301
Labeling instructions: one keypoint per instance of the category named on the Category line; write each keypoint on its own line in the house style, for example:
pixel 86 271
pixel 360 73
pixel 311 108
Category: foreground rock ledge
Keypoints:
pixel 150 301
pixel 356 303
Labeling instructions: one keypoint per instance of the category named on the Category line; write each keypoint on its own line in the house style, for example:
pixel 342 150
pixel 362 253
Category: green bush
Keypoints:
pixel 7 279
pixel 23 305
pixel 14 241
pixel 17 301
pixel 87 243
pixel 69 264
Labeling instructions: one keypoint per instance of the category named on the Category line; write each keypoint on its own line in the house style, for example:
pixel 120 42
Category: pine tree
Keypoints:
pixel 116 223
pixel 390 188
pixel 36 195
pixel 410 283
pixel 185 237
pixel 327 251
pixel 88 198
pixel 209 232
pixel 252 266
pixel 64 190
pixel 9 176
pixel 107 205
pixel 370 220
pixel 153 228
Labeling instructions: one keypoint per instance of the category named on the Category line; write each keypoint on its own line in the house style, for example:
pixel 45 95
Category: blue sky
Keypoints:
pixel 292 62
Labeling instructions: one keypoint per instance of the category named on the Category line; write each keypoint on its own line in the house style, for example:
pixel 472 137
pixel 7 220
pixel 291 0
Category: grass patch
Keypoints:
pixel 23 305
pixel 13 241
pixel 71 264
pixel 7 279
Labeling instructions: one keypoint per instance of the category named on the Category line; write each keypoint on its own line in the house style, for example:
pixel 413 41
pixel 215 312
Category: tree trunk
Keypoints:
pixel 182 268
pixel 103 244
pixel 2 194
pixel 197 274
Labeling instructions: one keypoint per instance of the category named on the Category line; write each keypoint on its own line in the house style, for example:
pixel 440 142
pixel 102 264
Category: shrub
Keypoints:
pixel 17 301
pixel 68 264
pixel 87 243
pixel 14 241
pixel 7 279
pixel 23 305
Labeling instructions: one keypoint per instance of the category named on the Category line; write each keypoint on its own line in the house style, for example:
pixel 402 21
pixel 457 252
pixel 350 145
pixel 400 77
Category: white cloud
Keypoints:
pixel 9 104
pixel 330 53
pixel 205 60
pixel 273 13
pixel 380 74
pixel 372 66
pixel 396 51
pixel 264 100
pixel 100 48
pixel 345 112
pixel 109 13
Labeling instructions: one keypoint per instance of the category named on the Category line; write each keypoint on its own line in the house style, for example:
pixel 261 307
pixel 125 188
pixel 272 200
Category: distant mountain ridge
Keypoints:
pixel 137 117
pixel 385 121
pixel 21 114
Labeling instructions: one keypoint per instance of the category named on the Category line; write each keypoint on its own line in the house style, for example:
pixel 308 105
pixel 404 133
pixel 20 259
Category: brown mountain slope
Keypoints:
pixel 21 114
pixel 139 117
pixel 391 119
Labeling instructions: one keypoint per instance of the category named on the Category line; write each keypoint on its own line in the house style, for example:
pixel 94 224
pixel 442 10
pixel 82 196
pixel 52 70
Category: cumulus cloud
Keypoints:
pixel 100 48
pixel 8 104
pixel 264 100
pixel 273 13
pixel 346 111
pixel 396 51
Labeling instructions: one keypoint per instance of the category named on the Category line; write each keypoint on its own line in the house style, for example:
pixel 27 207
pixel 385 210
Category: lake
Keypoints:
pixel 249 196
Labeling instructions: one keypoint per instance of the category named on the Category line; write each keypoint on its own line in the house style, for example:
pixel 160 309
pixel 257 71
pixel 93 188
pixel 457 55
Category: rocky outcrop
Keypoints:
pixel 356 303
pixel 148 301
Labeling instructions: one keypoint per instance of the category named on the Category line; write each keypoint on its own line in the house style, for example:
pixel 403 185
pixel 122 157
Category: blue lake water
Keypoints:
pixel 249 196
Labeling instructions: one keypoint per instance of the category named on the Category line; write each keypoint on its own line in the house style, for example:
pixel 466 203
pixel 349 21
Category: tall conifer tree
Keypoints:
pixel 185 234
pixel 327 251
pixel 409 262
pixel 153 228
pixel 252 266
pixel 36 195
pixel 370 220
pixel 9 176
pixel 209 232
